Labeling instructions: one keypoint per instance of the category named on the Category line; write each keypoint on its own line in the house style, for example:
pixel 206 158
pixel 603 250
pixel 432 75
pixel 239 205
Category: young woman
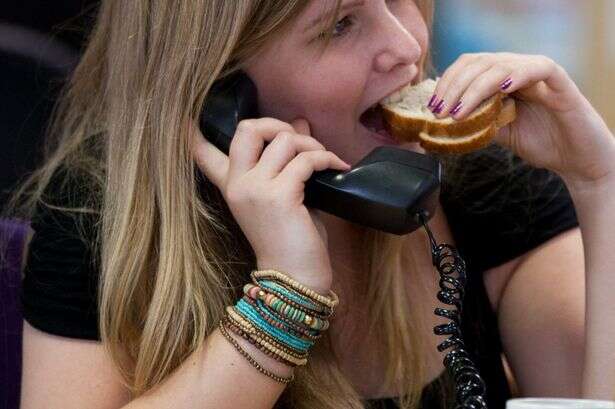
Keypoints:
pixel 145 233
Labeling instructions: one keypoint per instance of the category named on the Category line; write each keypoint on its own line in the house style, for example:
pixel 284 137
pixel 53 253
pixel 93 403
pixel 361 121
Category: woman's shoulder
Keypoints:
pixel 62 267
pixel 73 187
pixel 499 207
pixel 71 198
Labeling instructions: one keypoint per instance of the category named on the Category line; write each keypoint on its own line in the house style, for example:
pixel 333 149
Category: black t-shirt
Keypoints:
pixel 495 215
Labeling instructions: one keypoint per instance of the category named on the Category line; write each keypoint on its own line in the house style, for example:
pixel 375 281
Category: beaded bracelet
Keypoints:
pixel 243 334
pixel 265 346
pixel 301 300
pixel 248 313
pixel 261 290
pixel 282 322
pixel 295 314
pixel 299 315
pixel 280 316
pixel 290 296
pixel 249 327
pixel 263 343
pixel 330 301
pixel 252 361
pixel 262 339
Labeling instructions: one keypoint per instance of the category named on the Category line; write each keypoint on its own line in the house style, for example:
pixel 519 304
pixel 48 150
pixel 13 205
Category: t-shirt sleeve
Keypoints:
pixel 59 289
pixel 502 207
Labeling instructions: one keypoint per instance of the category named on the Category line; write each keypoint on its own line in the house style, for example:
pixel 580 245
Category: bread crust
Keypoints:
pixel 458 145
pixel 467 144
pixel 407 128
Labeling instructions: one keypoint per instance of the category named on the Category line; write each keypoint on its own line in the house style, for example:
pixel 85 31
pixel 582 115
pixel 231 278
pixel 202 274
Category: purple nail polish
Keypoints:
pixel 438 108
pixel 506 84
pixel 457 108
pixel 431 101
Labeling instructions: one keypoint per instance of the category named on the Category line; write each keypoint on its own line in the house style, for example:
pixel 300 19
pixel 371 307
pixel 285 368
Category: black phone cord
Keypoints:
pixel 470 388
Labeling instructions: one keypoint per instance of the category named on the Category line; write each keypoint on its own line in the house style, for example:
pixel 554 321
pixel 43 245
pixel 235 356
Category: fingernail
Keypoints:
pixel 457 108
pixel 431 101
pixel 438 108
pixel 504 85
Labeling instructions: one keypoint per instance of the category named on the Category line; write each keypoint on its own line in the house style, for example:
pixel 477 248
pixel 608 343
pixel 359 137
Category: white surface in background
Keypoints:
pixel 550 403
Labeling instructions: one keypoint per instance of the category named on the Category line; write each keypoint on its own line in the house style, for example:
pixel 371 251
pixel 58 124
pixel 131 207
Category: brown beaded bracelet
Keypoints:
pixel 287 324
pixel 287 300
pixel 330 301
pixel 306 332
pixel 239 331
pixel 289 353
pixel 257 335
pixel 309 324
pixel 252 361
pixel 297 357
pixel 322 314
pixel 300 317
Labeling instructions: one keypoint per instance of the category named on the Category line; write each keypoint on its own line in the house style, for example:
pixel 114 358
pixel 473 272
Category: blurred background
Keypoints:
pixel 573 33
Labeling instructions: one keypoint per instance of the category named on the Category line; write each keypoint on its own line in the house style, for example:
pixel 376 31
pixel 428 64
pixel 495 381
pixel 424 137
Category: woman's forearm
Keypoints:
pixel 595 206
pixel 217 376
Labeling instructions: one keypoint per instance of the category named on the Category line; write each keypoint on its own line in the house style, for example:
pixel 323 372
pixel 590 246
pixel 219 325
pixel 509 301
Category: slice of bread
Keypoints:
pixel 407 118
pixel 472 142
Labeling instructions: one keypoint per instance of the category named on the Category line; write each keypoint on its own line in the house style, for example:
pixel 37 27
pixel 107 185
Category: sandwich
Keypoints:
pixel 407 118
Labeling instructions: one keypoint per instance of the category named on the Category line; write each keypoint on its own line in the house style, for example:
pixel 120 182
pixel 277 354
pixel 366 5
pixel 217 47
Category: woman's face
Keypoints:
pixel 375 49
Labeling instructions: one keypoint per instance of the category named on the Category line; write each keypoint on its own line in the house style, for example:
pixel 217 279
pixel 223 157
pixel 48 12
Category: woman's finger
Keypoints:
pixel 482 87
pixel 211 161
pixel 545 82
pixel 448 76
pixel 307 162
pixel 476 80
pixel 301 126
pixel 282 150
pixel 249 140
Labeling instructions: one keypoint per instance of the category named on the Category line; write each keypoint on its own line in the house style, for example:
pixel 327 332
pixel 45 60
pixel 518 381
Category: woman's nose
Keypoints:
pixel 398 46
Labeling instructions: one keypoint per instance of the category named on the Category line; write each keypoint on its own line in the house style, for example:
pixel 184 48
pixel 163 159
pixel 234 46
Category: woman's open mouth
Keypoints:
pixel 373 123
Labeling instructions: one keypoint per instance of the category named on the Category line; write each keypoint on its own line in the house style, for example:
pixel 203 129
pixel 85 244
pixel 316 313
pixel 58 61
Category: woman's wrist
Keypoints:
pixel 280 316
pixel 279 368
pixel 588 192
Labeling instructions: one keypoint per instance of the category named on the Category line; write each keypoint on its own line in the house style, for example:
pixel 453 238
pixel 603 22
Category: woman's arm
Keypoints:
pixel 60 372
pixel 595 205
pixel 217 376
pixel 558 129
pixel 540 306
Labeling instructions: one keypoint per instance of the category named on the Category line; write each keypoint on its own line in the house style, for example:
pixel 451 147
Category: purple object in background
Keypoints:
pixel 13 235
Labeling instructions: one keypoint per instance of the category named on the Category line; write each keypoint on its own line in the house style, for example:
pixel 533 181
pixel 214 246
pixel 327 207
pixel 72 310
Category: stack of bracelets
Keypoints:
pixel 280 316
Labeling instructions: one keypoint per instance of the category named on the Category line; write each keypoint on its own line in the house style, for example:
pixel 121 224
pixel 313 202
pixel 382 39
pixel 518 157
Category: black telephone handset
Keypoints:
pixel 391 189
pixel 386 190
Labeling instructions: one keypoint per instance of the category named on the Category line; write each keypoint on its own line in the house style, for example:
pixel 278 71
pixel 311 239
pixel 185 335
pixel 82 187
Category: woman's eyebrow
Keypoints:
pixel 344 7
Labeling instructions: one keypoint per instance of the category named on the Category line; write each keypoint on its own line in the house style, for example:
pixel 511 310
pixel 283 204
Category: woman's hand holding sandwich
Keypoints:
pixel 556 126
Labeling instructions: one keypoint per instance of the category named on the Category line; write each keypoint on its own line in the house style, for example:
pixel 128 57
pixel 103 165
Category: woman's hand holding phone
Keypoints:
pixel 264 189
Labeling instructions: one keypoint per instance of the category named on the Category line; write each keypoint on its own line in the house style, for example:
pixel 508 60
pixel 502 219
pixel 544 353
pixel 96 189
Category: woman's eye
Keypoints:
pixel 342 25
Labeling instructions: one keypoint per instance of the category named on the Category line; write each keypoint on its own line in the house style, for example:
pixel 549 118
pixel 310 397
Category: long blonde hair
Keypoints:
pixel 172 256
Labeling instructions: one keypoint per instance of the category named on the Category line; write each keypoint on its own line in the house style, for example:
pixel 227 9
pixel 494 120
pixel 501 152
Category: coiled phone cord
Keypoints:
pixel 469 386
